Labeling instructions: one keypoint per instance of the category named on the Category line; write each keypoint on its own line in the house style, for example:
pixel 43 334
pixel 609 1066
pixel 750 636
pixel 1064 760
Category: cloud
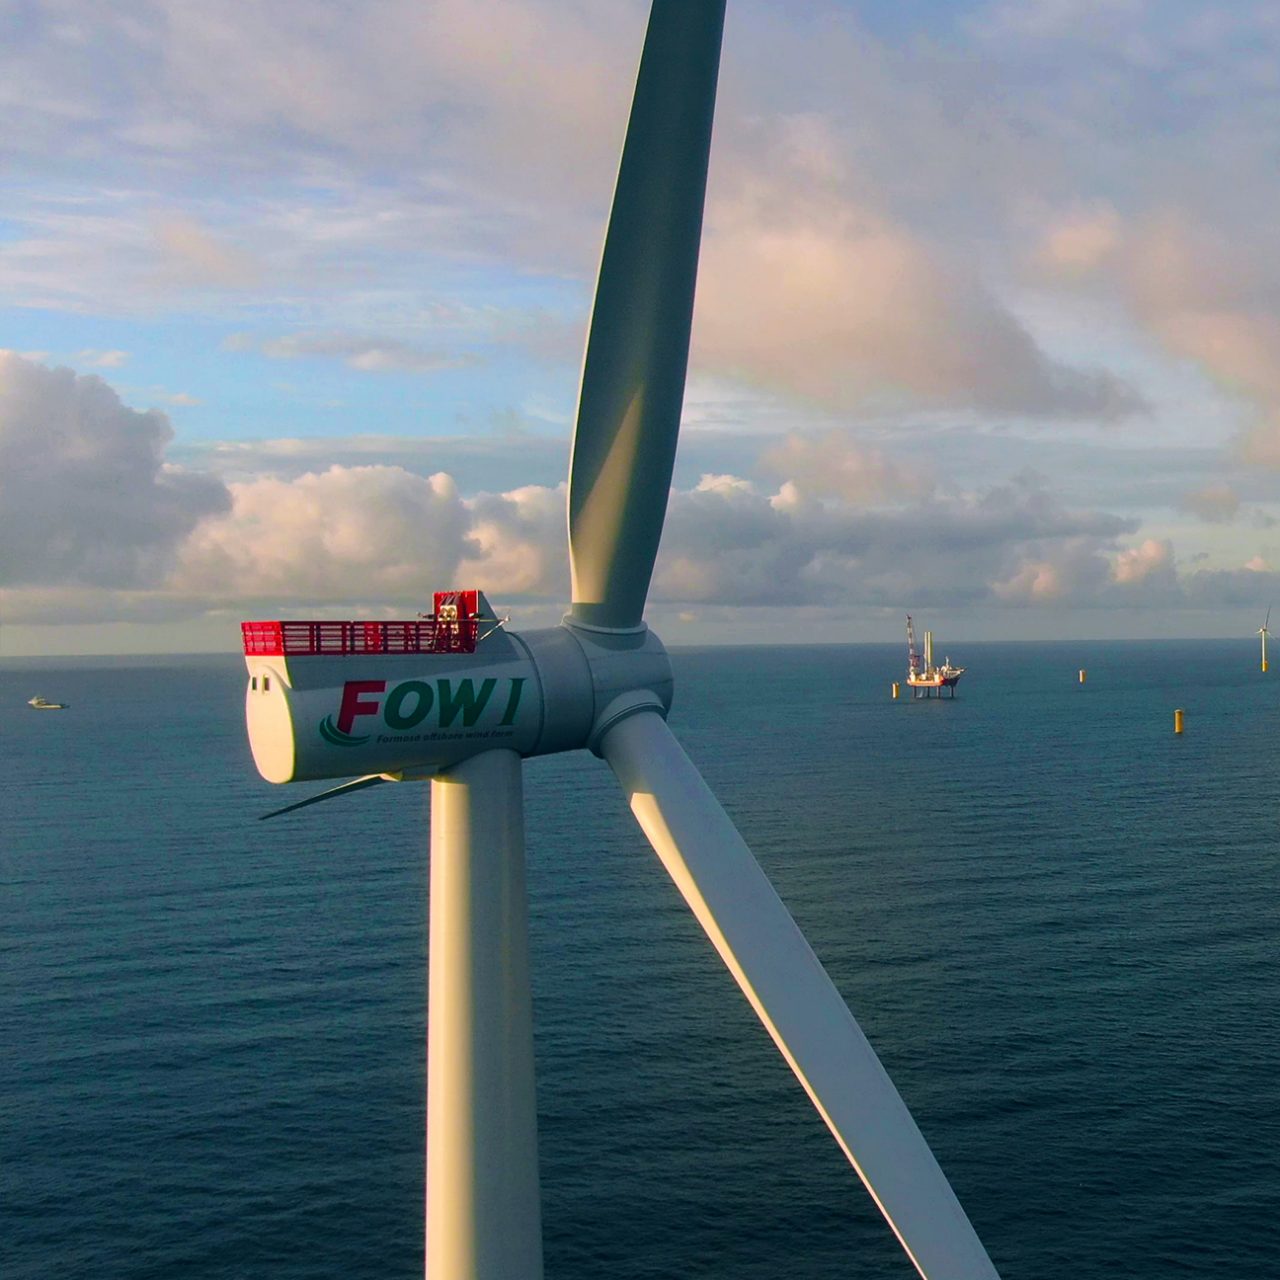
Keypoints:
pixel 503 457
pixel 503 452
pixel 103 359
pixel 349 533
pixel 372 536
pixel 90 606
pixel 516 541
pixel 1206 294
pixel 109 251
pixel 1252 586
pixel 1216 300
pixel 86 496
pixel 364 353
pixel 516 98
pixel 191 254
pixel 1034 581
pixel 288 170
pixel 366 155
pixel 1080 240
pixel 830 464
pixel 297 161
pixel 728 543
pixel 91 504
pixel 1216 503
pixel 1150 561
pixel 1087 571
pixel 88 501
pixel 803 291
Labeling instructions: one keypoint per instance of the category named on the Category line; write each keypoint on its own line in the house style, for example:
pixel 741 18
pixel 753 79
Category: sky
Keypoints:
pixel 293 299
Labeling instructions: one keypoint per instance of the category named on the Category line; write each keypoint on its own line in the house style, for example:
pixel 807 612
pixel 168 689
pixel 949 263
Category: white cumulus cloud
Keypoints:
pixel 86 496
pixel 348 533
pixel 804 292
pixel 1152 558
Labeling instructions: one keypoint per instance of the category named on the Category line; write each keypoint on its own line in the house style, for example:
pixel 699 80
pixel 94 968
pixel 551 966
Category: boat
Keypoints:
pixel 922 675
pixel 43 704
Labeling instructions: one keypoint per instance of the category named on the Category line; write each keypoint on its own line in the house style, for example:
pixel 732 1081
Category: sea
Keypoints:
pixel 1055 919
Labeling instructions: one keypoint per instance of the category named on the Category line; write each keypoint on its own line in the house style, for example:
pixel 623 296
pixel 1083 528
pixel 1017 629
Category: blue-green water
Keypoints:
pixel 1054 919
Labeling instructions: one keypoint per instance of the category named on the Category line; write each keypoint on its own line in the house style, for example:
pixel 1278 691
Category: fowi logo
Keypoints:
pixel 410 703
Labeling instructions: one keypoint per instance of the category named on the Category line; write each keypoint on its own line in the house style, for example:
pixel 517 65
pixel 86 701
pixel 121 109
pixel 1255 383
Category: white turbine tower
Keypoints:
pixel 435 700
pixel 1264 633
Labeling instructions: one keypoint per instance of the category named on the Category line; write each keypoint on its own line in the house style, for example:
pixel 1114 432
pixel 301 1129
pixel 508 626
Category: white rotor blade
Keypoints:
pixel 790 991
pixel 358 784
pixel 638 348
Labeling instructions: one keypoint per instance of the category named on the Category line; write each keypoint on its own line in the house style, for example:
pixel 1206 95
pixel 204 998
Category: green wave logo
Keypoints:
pixel 334 736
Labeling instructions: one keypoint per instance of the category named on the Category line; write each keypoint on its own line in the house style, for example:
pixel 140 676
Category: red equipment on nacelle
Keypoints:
pixel 452 627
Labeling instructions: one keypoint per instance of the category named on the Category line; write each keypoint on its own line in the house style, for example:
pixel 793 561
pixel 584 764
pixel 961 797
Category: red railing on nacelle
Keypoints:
pixel 295 638
pixel 451 628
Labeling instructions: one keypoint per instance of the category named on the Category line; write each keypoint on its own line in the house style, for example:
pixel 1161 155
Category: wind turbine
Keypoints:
pixel 436 700
pixel 1264 633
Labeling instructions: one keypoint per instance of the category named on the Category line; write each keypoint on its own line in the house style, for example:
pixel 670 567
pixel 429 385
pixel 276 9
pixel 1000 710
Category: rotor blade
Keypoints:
pixel 638 347
pixel 358 784
pixel 792 995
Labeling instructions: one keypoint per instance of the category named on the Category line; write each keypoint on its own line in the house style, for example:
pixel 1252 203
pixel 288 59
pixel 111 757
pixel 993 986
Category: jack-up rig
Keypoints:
pixel 924 678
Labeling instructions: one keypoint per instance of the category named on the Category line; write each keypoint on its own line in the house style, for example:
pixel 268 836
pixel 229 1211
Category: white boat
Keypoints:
pixel 43 704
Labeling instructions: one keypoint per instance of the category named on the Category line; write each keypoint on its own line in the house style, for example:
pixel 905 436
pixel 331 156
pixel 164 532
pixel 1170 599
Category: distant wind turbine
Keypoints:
pixel 1264 633
pixel 435 699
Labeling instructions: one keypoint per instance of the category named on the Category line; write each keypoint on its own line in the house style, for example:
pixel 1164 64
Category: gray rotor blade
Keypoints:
pixel 792 995
pixel 638 347
pixel 359 784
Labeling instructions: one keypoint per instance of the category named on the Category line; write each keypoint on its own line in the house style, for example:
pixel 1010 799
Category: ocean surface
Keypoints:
pixel 1056 921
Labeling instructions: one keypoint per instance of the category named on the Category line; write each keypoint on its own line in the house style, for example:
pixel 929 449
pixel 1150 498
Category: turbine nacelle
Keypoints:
pixel 313 714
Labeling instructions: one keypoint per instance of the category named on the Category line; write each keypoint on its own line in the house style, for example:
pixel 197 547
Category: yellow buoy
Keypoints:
pixel 1177 721
pixel 1082 675
pixel 897 688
